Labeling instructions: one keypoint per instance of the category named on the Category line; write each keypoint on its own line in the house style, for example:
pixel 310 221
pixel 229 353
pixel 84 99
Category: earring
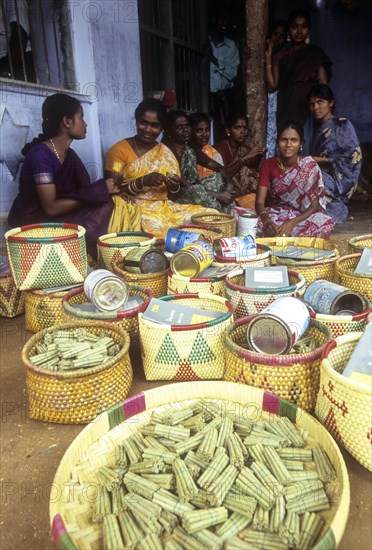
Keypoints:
pixel 228 134
pixel 288 38
pixel 307 40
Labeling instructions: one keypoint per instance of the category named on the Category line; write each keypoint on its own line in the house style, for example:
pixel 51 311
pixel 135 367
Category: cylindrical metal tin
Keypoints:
pixel 235 247
pixel 150 260
pixel 176 239
pixel 278 327
pixel 107 291
pixel 333 299
pixel 247 224
pixel 192 259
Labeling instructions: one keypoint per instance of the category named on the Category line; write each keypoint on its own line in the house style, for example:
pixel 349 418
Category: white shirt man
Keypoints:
pixel 227 56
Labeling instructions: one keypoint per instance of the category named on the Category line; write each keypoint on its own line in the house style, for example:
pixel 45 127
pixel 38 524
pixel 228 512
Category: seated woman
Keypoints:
pixel 290 195
pixel 337 151
pixel 203 179
pixel 241 159
pixel 150 172
pixel 55 186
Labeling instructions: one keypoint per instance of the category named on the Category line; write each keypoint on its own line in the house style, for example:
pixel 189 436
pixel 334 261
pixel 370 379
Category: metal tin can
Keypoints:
pixel 145 261
pixel 235 247
pixel 105 290
pixel 332 299
pixel 278 327
pixel 247 224
pixel 192 259
pixel 176 239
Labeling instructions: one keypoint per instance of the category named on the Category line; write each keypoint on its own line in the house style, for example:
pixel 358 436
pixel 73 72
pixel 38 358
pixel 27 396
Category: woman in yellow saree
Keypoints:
pixel 149 172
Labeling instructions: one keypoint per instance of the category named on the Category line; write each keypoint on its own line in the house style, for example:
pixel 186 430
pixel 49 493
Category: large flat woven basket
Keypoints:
pixel 186 352
pixel 261 259
pixel 346 276
pixel 156 282
pixel 294 377
pixel 359 243
pixel 225 222
pixel 177 284
pixel 126 319
pixel 115 246
pixel 246 301
pixel 47 255
pixel 71 515
pixel 344 406
pixel 344 324
pixel 44 309
pixel 209 233
pixel 311 270
pixel 12 300
pixel 77 397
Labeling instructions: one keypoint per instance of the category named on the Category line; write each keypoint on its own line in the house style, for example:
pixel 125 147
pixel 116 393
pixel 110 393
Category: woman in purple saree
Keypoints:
pixel 54 184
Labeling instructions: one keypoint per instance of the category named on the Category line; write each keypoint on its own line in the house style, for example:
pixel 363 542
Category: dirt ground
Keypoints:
pixel 31 451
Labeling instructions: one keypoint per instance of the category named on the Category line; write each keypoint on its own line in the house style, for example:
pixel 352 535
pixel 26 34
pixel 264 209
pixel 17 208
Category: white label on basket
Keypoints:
pixel 268 277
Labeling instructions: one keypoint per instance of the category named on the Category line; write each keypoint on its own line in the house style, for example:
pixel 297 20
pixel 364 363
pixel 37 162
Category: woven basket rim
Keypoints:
pixel 357 238
pixel 285 241
pixel 181 278
pixel 350 272
pixel 280 360
pixel 11 234
pixel 327 366
pixel 196 326
pixel 101 240
pixel 200 226
pixel 252 291
pixel 265 254
pixel 155 398
pixel 40 292
pixel 322 317
pixel 107 316
pixel 79 373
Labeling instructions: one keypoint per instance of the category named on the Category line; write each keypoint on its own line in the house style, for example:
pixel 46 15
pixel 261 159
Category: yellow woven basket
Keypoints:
pixel 294 377
pixel 346 276
pixel 156 282
pixel 126 320
pixel 246 301
pixel 343 324
pixel 186 352
pixel 210 234
pixel 311 270
pixel 177 284
pixel 71 514
pixel 224 222
pixel 343 405
pixel 12 300
pixel 77 397
pixel 261 259
pixel 359 243
pixel 114 246
pixel 44 310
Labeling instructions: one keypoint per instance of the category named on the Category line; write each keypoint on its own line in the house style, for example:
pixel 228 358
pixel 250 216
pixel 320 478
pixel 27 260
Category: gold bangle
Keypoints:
pixel 176 191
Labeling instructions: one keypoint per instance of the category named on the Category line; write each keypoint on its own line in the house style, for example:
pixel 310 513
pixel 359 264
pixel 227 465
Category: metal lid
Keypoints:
pixel 110 294
pixel 153 261
pixel 348 301
pixel 268 334
pixel 185 264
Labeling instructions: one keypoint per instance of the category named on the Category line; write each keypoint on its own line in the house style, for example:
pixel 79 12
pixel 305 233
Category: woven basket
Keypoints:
pixel 47 255
pixel 213 285
pixel 115 246
pixel 346 275
pixel 126 319
pixel 311 270
pixel 156 282
pixel 225 222
pixel 210 233
pixel 186 352
pixel 262 259
pixel 358 244
pixel 12 300
pixel 344 324
pixel 71 514
pixel 294 377
pixel 246 301
pixel 77 397
pixel 343 405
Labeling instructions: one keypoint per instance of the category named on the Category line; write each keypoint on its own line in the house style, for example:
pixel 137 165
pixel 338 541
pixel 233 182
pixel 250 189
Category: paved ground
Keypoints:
pixel 31 451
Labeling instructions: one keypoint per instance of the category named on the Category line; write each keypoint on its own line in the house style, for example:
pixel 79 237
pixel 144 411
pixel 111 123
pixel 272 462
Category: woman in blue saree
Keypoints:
pixel 337 151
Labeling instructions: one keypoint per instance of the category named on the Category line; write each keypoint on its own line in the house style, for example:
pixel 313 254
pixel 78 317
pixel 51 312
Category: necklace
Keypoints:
pixel 228 144
pixel 54 149
pixel 284 168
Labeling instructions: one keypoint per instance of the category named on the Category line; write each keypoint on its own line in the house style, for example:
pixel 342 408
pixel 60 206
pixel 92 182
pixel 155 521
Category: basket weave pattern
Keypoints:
pixel 156 282
pixel 343 405
pixel 126 320
pixel 246 301
pixel 12 300
pixel 77 397
pixel 346 275
pixel 210 234
pixel 292 377
pixel 188 352
pixel 115 246
pixel 46 255
pixel 343 324
pixel 358 244
pixel 225 222
pixel 311 270
pixel 44 310
pixel 178 285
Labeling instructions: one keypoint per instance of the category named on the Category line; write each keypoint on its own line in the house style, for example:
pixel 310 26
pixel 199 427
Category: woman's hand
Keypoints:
pixel 153 180
pixel 112 188
pixel 253 155
pixel 270 229
pixel 225 197
pixel 285 230
pixel 174 182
